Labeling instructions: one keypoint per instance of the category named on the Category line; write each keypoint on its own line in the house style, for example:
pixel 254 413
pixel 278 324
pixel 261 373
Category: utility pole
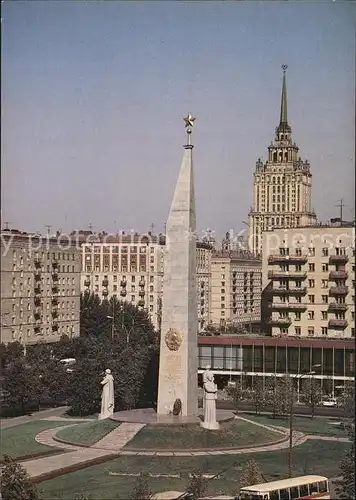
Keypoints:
pixel 49 227
pixel 152 228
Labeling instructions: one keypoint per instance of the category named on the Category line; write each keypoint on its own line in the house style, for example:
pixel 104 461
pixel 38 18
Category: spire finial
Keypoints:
pixel 283 122
pixel 189 124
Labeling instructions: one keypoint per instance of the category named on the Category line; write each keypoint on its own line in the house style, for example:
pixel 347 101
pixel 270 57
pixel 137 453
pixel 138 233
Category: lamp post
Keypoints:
pixel 291 417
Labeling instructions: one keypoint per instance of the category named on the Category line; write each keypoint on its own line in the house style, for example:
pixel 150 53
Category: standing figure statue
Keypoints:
pixel 107 396
pixel 205 374
pixel 210 392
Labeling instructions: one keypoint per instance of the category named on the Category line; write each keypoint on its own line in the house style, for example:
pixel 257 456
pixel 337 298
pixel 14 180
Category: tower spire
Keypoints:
pixel 283 121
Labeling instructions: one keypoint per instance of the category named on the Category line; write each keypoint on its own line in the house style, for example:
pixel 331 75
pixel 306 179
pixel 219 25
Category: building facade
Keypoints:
pixel 40 288
pixel 236 278
pixel 282 185
pixel 308 280
pixel 250 358
pixel 131 267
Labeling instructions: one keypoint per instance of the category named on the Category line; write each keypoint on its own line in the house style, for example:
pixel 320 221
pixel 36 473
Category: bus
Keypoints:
pixel 302 487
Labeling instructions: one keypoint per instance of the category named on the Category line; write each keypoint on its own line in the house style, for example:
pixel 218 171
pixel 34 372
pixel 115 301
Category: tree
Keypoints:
pixel 141 489
pixel 345 486
pixel 23 384
pixel 278 394
pixel 16 483
pixel 251 474
pixel 236 393
pixel 257 396
pixel 311 395
pixel 197 485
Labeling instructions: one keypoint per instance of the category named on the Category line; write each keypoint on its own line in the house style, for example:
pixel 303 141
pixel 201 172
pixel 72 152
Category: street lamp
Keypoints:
pixel 291 416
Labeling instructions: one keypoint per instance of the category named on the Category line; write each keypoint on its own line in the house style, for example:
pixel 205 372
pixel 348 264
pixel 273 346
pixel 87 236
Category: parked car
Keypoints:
pixel 330 402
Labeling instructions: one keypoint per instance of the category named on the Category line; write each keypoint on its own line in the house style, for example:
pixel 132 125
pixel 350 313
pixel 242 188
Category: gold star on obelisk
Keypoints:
pixel 189 120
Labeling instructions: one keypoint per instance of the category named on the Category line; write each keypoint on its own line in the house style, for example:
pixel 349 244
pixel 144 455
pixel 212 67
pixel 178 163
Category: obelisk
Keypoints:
pixel 178 366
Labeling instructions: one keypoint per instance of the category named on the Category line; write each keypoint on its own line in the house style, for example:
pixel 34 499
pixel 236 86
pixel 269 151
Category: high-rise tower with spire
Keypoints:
pixel 282 185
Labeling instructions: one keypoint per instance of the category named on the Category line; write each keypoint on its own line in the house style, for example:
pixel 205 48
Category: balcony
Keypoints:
pixel 37 301
pixel 38 264
pixel 55 264
pixel 282 322
pixel 338 259
pixel 54 276
pixel 86 282
pixel 338 275
pixel 37 329
pixel 287 291
pixel 55 289
pixel 37 277
pixel 123 293
pixel 54 328
pixel 54 301
pixel 105 282
pixel 141 303
pixel 123 282
pixel 37 316
pixel 54 314
pixel 141 293
pixel 338 290
pixel 276 275
pixel 105 293
pixel 141 283
pixel 335 306
pixel 38 290
pixel 337 323
pixel 275 259
pixel 287 306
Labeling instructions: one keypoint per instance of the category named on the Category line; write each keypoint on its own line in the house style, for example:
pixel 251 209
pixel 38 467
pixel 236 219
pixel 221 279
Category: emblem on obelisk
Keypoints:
pixel 173 339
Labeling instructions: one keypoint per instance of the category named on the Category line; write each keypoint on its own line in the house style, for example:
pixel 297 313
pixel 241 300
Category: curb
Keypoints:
pixel 34 456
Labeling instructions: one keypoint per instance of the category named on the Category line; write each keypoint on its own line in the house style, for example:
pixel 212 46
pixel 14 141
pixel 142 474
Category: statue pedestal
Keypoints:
pixel 210 426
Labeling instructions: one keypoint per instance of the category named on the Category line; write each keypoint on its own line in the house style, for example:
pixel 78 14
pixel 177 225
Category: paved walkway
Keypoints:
pixel 39 415
pixel 119 437
pixel 113 443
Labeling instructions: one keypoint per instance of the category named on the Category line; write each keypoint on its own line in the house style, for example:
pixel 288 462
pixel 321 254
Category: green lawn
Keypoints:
pixel 313 457
pixel 88 432
pixel 316 425
pixel 20 440
pixel 233 433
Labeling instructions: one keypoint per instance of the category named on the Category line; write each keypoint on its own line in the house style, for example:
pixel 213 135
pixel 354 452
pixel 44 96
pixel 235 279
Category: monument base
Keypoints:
pixel 149 416
pixel 210 426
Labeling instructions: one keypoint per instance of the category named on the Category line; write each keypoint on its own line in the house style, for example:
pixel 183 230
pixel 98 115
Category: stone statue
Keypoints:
pixel 107 396
pixel 210 395
pixel 205 374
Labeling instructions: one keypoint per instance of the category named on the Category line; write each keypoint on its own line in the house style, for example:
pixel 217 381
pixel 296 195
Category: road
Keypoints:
pixel 299 409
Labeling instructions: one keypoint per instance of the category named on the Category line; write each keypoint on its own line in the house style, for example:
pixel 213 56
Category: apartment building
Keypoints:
pixel 131 267
pixel 282 185
pixel 235 289
pixel 40 288
pixel 308 279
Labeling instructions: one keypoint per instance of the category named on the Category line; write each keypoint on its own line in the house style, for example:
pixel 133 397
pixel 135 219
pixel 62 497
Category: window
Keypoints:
pixel 324 283
pixel 304 490
pixel 311 299
pixel 298 316
pixel 310 314
pixel 284 494
pixel 310 331
pixel 294 493
pixel 325 267
pixel 297 330
pixel 311 251
pixel 311 283
pixel 313 488
pixel 324 330
pixel 323 486
pixel 132 279
pixel 325 252
pixel 311 267
pixel 324 299
pixel 324 314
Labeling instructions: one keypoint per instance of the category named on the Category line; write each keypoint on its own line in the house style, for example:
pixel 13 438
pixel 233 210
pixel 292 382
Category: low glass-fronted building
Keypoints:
pixel 332 362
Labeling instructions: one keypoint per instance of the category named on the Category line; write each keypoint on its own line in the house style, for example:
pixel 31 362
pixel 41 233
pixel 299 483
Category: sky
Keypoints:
pixel 93 96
